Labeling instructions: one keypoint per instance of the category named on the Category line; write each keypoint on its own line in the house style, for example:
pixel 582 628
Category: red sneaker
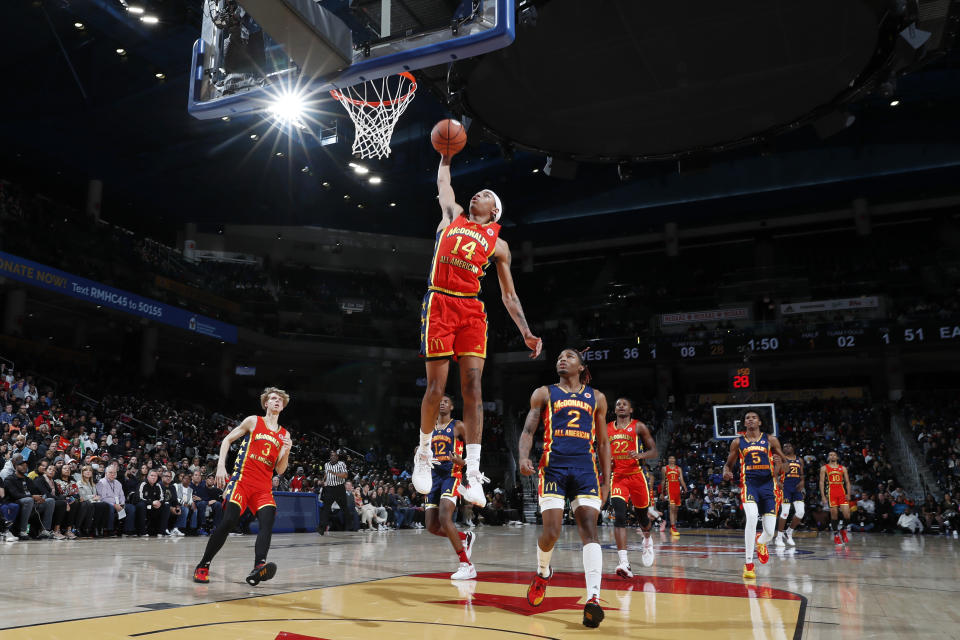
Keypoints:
pixel 843 536
pixel 762 554
pixel 538 589
pixel 201 574
pixel 836 539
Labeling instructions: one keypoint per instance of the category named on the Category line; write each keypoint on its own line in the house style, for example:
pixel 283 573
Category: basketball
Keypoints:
pixel 448 137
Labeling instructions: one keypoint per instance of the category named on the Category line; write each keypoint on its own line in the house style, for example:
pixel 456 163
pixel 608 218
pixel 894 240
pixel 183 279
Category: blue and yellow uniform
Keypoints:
pixel 568 467
pixel 446 475
pixel 793 481
pixel 756 475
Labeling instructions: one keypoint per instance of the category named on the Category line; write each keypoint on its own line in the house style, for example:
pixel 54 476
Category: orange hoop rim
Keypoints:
pixel 381 103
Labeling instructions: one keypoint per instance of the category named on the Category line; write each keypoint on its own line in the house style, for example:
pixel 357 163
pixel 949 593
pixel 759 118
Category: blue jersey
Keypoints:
pixel 445 444
pixel 793 475
pixel 756 463
pixel 568 428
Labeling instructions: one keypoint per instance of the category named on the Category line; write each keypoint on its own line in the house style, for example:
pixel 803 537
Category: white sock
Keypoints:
pixel 622 554
pixel 425 438
pixel 543 561
pixel 592 568
pixel 789 531
pixel 769 527
pixel 750 530
pixel 473 458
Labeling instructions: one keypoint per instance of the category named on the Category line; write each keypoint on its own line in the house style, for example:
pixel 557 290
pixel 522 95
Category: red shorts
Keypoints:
pixel 836 496
pixel 452 326
pixel 247 497
pixel 673 491
pixel 632 487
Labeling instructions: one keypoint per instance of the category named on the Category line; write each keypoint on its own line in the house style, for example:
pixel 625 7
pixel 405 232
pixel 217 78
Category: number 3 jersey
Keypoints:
pixel 461 255
pixel 568 428
pixel 258 455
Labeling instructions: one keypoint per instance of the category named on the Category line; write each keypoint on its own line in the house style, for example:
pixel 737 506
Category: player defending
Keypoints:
pixel 453 322
pixel 674 486
pixel 630 442
pixel 447 449
pixel 837 495
pixel 265 449
pixel 792 494
pixel 573 418
pixel 759 491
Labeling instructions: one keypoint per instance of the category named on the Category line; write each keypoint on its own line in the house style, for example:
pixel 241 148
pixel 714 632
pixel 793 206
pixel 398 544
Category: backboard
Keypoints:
pixel 728 419
pixel 250 50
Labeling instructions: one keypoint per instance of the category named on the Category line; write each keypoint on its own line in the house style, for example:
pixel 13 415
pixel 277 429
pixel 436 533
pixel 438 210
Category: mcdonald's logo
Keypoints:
pixel 436 344
pixel 550 486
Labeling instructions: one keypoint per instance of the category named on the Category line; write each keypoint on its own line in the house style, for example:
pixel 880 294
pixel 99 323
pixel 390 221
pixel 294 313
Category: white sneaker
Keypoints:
pixel 623 570
pixel 468 543
pixel 9 537
pixel 646 552
pixel 423 463
pixel 176 532
pixel 466 572
pixel 789 539
pixel 474 493
pixel 778 541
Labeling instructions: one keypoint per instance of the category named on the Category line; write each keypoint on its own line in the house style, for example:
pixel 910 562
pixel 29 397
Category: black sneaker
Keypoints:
pixel 261 572
pixel 592 613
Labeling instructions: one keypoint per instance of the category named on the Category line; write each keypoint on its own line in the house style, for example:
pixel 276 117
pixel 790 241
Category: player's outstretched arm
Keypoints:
pixel 731 460
pixel 241 430
pixel 537 402
pixel 448 201
pixel 511 300
pixel 284 458
pixel 603 444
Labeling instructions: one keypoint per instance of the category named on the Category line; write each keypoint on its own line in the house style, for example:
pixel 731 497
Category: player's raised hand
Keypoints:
pixel 526 467
pixel 535 344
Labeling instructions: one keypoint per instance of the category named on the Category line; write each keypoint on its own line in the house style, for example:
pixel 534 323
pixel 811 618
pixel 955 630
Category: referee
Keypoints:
pixel 333 490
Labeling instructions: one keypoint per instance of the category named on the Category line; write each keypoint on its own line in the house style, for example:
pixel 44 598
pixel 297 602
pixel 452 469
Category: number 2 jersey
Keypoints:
pixel 258 456
pixel 568 428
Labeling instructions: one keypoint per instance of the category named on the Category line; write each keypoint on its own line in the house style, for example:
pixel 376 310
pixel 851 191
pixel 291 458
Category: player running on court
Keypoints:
pixel 265 449
pixel 759 492
pixel 447 448
pixel 674 486
pixel 792 482
pixel 573 433
pixel 836 495
pixel 453 322
pixel 630 443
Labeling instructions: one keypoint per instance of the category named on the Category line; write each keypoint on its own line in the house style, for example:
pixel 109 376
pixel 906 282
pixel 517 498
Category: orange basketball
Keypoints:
pixel 448 137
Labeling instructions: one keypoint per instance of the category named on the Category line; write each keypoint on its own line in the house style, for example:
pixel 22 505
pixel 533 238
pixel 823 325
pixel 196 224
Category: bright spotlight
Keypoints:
pixel 136 10
pixel 375 180
pixel 288 110
pixel 149 19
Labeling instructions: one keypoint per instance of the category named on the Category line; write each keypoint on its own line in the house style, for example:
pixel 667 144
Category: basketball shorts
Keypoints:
pixel 452 326
pixel 673 492
pixel 248 497
pixel 578 483
pixel 836 496
pixel 444 486
pixel 632 487
pixel 764 493
pixel 792 494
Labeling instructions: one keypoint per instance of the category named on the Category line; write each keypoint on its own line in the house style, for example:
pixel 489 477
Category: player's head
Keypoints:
pixel 788 448
pixel 672 460
pixel 485 206
pixel 446 405
pixel 571 361
pixel 274 398
pixel 832 457
pixel 751 420
pixel 624 407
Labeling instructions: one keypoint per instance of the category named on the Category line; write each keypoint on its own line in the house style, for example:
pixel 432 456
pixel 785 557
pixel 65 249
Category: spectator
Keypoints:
pixel 111 493
pixel 155 512
pixel 19 488
pixel 171 502
pixel 67 487
pixel 296 482
pixel 884 515
pixel 46 486
pixel 909 522
pixel 187 520
pixel 93 512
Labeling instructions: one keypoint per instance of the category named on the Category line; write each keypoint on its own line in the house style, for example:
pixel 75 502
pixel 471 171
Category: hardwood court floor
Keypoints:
pixel 395 584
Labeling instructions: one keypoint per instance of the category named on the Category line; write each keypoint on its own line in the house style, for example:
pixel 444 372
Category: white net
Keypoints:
pixel 375 106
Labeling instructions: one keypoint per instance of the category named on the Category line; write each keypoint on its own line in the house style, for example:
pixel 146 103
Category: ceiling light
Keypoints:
pixel 375 179
pixel 136 10
pixel 305 170
pixel 160 76
pixel 253 136
pixel 78 25
pixel 536 170
pixel 149 19
pixel 121 52
pixel 346 197
pixel 894 103
pixel 288 109
pixel 360 206
pixel 360 169
pixel 279 154
pixel 393 204
pixel 225 118
pixel 325 184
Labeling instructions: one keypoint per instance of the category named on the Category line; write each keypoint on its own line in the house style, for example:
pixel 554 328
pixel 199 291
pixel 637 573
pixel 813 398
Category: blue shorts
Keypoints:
pixel 764 493
pixel 571 482
pixel 792 494
pixel 444 486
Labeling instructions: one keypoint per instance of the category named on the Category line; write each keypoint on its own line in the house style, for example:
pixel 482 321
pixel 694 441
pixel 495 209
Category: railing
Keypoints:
pixel 906 458
pixel 96 403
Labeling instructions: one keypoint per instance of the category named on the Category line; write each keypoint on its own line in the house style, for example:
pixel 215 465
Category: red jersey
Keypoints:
pixel 461 255
pixel 835 475
pixel 258 455
pixel 671 475
pixel 624 442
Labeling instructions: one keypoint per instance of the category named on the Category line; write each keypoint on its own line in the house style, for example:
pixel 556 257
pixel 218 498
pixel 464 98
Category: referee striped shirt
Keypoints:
pixel 331 469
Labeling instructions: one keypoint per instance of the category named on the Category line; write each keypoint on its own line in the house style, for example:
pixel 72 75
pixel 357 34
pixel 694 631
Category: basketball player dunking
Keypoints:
pixel 573 432
pixel 453 322
pixel 447 448
pixel 630 443
pixel 792 482
pixel 674 486
pixel 265 449
pixel 759 491
pixel 836 495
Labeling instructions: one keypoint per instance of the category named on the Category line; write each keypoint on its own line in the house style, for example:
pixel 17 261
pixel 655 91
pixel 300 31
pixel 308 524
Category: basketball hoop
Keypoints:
pixel 375 106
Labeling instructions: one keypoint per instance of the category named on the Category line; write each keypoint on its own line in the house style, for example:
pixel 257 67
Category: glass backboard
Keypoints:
pixel 728 419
